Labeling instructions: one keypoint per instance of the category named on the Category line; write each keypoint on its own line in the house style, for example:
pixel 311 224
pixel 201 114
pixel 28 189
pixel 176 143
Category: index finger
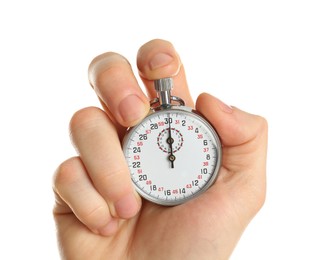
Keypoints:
pixel 158 59
pixel 113 80
pixel 111 77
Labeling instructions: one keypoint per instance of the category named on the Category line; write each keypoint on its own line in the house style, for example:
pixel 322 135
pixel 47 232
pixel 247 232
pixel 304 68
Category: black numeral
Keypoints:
pixel 143 137
pixel 153 187
pixel 168 120
pixel 143 177
pixel 204 171
pixel 136 165
pixel 182 191
pixel 136 150
pixel 153 126
pixel 167 192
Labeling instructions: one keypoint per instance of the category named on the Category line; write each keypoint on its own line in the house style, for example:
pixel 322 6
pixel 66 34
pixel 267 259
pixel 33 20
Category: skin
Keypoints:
pixel 98 213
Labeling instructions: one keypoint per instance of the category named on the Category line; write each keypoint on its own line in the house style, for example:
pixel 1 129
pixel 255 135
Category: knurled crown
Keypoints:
pixel 164 84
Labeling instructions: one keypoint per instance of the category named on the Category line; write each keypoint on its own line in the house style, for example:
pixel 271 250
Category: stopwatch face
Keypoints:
pixel 173 155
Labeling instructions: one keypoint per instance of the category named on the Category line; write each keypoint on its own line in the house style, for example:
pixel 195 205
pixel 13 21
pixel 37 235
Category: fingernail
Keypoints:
pixel 132 109
pixel 127 207
pixel 224 107
pixel 160 60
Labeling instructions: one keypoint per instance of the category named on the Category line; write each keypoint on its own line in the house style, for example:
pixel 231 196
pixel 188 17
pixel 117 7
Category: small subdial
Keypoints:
pixel 164 140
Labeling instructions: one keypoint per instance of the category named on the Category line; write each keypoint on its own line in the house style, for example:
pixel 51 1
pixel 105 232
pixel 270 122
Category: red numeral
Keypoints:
pixel 199 177
pixel 177 121
pixel 136 157
pixel 148 182
pixel 139 171
pixel 199 136
pixel 161 123
pixel 205 150
pixel 148 131
pixel 140 143
pixel 190 127
pixel 188 186
pixel 205 163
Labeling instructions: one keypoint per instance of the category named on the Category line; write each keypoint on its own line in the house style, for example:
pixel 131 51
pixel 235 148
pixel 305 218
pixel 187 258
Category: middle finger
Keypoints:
pixel 112 78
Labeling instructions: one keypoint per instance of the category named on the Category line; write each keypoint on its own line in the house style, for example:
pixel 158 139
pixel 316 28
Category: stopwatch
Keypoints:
pixel 173 154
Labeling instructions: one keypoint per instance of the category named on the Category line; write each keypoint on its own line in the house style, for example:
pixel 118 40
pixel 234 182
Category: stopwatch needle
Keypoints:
pixel 170 141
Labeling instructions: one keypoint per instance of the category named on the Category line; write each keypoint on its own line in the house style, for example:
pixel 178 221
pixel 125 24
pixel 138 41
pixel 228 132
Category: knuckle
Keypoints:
pixel 262 123
pixel 65 173
pixel 86 118
pixel 94 214
pixel 259 198
pixel 109 74
pixel 116 182
pixel 104 58
pixel 262 130
pixel 105 66
pixel 101 57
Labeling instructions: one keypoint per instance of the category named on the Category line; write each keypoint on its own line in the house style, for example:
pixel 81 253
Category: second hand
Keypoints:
pixel 170 141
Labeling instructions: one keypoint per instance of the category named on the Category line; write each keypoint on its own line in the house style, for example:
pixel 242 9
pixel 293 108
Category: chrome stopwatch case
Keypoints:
pixel 174 154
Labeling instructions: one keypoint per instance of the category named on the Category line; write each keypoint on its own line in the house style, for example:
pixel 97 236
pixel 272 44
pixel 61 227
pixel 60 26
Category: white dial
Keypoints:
pixel 173 155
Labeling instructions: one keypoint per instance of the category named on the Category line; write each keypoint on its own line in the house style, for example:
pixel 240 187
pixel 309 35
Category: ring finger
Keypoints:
pixel 97 142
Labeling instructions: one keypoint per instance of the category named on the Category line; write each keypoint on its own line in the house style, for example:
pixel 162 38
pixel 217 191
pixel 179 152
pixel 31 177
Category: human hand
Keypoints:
pixel 98 213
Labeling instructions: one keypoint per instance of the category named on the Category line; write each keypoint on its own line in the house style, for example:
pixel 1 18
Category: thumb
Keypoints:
pixel 244 140
pixel 234 126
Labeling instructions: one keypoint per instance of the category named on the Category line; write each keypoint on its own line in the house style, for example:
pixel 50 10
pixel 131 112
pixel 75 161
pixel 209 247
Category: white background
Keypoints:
pixel 265 57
